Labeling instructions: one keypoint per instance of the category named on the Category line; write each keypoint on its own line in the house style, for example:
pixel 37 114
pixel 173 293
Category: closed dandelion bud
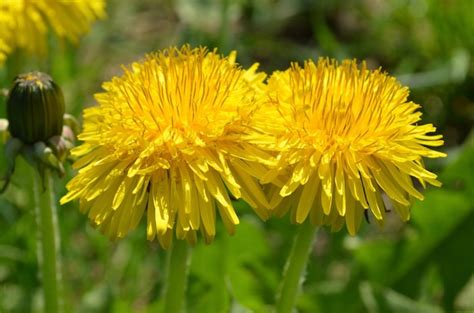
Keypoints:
pixel 35 108
pixel 37 126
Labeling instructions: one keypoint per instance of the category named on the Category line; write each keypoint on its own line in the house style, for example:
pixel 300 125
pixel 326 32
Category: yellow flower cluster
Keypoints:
pixel 25 23
pixel 185 129
pixel 171 139
pixel 344 134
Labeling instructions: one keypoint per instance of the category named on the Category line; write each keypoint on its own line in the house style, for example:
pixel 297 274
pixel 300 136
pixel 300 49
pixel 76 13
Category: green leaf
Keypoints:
pixel 207 288
pixel 386 300
pixel 231 273
pixel 439 234
pixel 249 278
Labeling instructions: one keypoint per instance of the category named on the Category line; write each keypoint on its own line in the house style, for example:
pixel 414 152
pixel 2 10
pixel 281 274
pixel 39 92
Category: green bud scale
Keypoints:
pixel 35 108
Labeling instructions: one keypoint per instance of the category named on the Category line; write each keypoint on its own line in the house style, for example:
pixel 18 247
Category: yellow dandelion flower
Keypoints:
pixel 169 140
pixel 25 23
pixel 345 135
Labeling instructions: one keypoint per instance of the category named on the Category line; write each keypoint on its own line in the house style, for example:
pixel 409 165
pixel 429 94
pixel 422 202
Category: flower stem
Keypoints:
pixel 48 241
pixel 177 275
pixel 294 272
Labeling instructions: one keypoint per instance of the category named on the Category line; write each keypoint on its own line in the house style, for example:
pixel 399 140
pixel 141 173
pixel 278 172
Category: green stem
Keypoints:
pixel 48 240
pixel 177 274
pixel 294 272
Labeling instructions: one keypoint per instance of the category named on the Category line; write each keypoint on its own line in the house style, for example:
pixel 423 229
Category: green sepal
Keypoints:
pixel 46 156
pixel 13 148
pixel 71 122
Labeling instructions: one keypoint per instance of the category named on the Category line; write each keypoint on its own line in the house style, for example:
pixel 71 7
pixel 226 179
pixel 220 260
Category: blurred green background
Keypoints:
pixel 426 265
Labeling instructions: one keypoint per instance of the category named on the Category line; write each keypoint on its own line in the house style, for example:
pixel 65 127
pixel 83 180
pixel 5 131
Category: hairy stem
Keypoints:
pixel 293 275
pixel 177 277
pixel 48 241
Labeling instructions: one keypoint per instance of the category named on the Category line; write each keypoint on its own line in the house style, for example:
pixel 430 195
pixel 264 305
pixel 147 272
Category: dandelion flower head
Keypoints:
pixel 171 138
pixel 346 135
pixel 25 23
